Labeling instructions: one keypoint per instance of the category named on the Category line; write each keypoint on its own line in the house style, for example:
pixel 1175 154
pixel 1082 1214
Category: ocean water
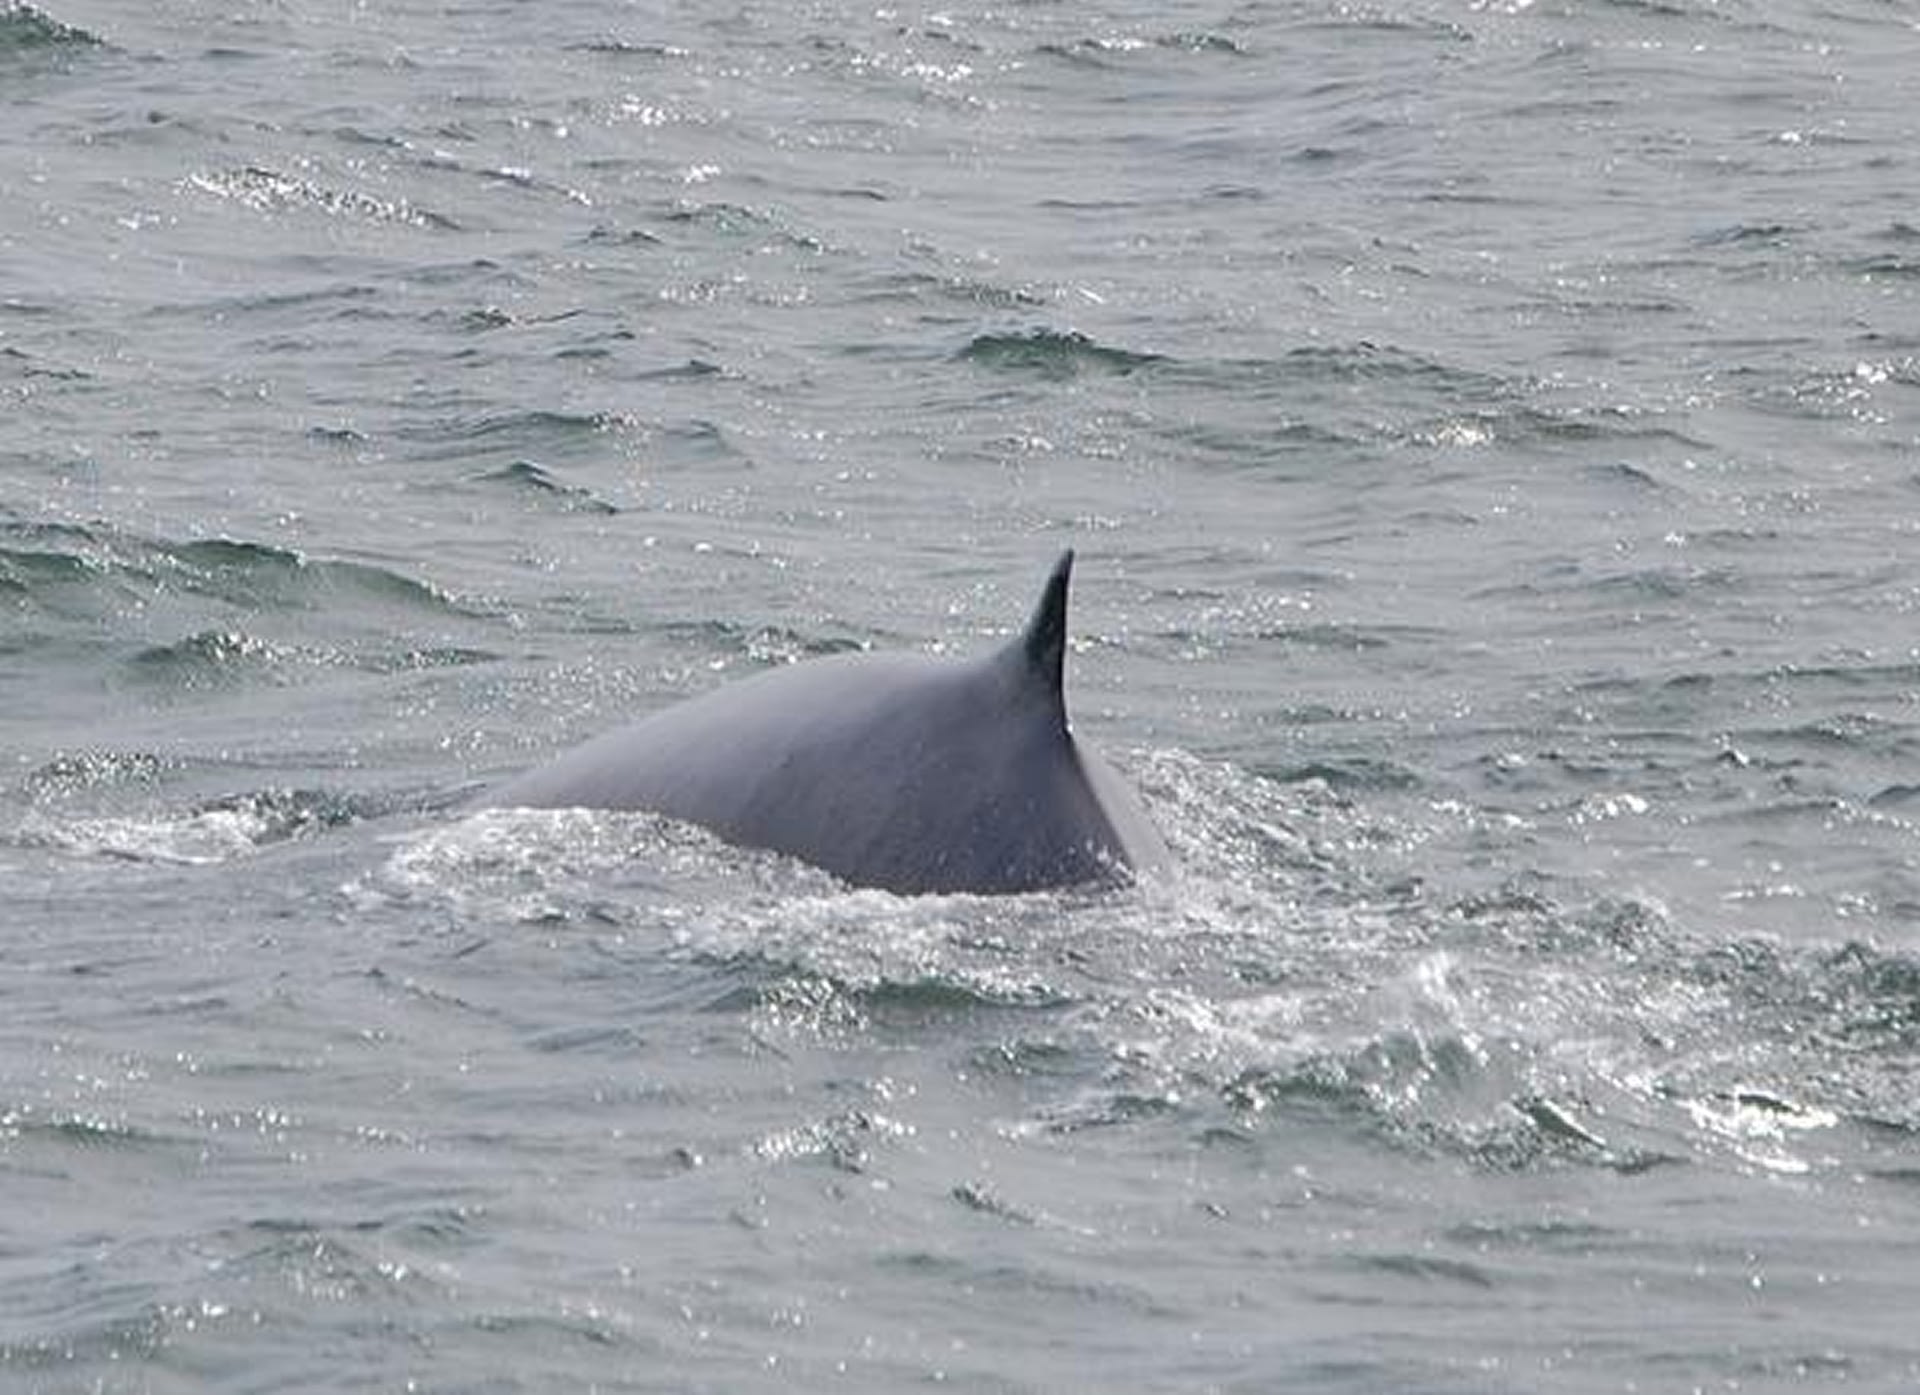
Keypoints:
pixel 1491 437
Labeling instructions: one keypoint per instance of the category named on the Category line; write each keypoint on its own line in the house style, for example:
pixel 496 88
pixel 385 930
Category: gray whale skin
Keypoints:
pixel 900 771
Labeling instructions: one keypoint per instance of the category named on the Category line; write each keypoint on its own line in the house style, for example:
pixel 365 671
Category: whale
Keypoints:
pixel 906 772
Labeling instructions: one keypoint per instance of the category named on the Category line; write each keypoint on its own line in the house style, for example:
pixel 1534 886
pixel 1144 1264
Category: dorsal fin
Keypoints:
pixel 1044 645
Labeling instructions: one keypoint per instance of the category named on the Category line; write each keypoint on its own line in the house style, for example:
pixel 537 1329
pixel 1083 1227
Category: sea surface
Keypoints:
pixel 1490 435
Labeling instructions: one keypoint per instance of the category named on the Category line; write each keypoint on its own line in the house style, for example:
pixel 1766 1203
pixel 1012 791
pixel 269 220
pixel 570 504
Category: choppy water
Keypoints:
pixel 1489 431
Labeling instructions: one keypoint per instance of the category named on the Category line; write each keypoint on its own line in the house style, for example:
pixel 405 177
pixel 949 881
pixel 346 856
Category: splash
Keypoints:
pixel 214 832
pixel 1293 967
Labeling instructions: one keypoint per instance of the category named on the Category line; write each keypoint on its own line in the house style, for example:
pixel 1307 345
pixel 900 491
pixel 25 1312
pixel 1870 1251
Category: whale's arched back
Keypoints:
pixel 899 771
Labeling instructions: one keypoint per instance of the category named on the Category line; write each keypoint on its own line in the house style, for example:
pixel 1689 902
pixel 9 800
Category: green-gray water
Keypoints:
pixel 1489 435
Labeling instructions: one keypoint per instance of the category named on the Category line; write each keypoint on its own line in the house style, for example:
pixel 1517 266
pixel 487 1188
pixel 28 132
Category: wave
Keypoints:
pixel 73 772
pixel 627 48
pixel 209 658
pixel 1361 361
pixel 1111 52
pixel 535 481
pixel 213 831
pixel 65 568
pixel 1052 355
pixel 235 658
pixel 1056 353
pixel 538 436
pixel 265 190
pixel 963 292
pixel 25 29
pixel 741 221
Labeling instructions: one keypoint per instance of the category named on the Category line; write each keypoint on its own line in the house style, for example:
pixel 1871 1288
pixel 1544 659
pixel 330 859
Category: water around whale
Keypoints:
pixel 1492 429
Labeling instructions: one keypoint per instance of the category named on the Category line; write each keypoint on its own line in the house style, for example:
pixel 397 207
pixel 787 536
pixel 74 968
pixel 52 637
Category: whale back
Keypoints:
pixel 899 771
